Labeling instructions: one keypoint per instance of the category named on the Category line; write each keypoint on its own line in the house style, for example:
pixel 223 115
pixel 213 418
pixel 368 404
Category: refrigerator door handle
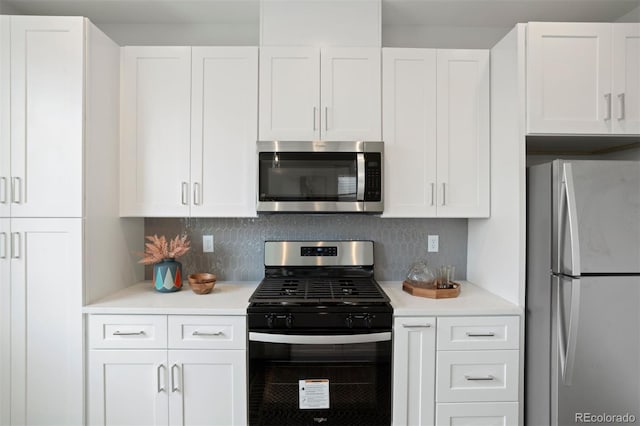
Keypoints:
pixel 572 216
pixel 567 342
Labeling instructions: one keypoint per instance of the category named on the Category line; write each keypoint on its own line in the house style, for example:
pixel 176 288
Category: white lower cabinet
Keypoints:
pixel 175 383
pixel 477 414
pixel 414 362
pixel 456 371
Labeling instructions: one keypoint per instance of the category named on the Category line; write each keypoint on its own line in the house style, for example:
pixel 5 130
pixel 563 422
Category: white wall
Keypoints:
pixel 442 37
pixel 496 246
pixel 349 23
pixel 182 34
pixel 633 16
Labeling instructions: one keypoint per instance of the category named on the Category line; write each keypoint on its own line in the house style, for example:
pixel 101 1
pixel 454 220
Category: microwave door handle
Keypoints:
pixel 360 168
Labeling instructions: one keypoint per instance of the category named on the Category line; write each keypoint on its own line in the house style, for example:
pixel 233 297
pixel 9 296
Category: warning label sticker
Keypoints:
pixel 314 393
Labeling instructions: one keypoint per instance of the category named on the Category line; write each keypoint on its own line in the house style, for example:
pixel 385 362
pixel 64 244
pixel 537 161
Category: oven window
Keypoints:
pixel 358 375
pixel 302 176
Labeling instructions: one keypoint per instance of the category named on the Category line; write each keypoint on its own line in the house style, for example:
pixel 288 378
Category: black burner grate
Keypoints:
pixel 313 290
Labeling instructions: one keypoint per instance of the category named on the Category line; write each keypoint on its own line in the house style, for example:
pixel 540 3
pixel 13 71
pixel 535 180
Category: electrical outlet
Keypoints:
pixel 207 243
pixel 432 243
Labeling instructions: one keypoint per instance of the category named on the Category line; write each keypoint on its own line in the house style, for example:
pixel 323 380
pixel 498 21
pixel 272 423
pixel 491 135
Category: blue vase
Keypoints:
pixel 167 275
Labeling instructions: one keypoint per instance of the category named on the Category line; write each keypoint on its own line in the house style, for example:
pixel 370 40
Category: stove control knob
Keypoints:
pixel 349 321
pixel 368 320
pixel 289 321
pixel 271 320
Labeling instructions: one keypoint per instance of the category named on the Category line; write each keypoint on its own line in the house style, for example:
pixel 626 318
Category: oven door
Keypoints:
pixel 319 379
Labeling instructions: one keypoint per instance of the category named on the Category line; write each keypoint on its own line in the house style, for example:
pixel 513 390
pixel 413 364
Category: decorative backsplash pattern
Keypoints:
pixel 239 242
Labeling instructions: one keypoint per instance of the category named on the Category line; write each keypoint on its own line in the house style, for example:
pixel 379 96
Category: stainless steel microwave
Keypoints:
pixel 320 177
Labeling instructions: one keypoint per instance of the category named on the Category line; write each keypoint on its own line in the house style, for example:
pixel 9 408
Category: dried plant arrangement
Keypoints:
pixel 158 248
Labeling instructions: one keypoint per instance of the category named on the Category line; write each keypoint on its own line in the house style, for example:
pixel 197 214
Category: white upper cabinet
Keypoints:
pixel 463 133
pixel 626 78
pixel 581 79
pixel 409 132
pixel 289 93
pixel 42 83
pixel 436 132
pixel 189 121
pixel 155 123
pixel 308 93
pixel 224 117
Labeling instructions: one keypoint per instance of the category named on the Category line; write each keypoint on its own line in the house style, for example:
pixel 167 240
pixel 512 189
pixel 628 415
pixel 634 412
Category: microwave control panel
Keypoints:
pixel 373 177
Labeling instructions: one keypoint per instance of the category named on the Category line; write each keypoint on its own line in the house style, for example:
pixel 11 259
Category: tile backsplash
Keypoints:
pixel 239 242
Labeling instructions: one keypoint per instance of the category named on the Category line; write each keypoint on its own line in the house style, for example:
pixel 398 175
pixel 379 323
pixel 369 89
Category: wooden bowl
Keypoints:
pixel 202 283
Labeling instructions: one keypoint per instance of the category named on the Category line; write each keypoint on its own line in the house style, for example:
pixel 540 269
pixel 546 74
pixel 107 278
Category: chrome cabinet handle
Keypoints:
pixel 16 245
pixel 200 333
pixel 160 377
pixel 185 193
pixel 3 245
pixel 621 111
pixel 326 120
pixel 315 111
pixel 485 379
pixel 132 333
pixel 16 190
pixel 174 381
pixel 607 111
pixel 196 193
pixel 416 325
pixel 480 334
pixel 433 193
pixel 3 190
pixel 444 194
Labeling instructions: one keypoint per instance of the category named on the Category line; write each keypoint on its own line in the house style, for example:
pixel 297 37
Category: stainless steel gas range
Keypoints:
pixel 319 337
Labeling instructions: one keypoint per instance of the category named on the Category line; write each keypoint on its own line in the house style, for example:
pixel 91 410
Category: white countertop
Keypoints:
pixel 232 298
pixel 226 298
pixel 472 300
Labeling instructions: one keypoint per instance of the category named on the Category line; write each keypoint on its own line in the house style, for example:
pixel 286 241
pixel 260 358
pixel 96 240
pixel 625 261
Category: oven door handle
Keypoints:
pixel 340 339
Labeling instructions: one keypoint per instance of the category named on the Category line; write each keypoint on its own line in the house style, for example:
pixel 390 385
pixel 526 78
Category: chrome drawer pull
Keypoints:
pixel 481 334
pixel 134 333
pixel 482 379
pixel 416 325
pixel 215 333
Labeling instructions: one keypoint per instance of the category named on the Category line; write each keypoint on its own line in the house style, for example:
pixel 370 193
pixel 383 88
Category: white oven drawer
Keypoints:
pixel 476 376
pixel 477 414
pixel 470 333
pixel 127 331
pixel 207 332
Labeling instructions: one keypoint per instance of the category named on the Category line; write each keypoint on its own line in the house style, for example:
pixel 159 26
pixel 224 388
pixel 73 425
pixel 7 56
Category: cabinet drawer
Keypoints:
pixel 127 331
pixel 207 332
pixel 478 414
pixel 470 333
pixel 474 376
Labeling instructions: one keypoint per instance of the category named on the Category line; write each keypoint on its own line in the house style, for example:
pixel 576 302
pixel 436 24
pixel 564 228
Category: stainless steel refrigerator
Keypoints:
pixel 583 293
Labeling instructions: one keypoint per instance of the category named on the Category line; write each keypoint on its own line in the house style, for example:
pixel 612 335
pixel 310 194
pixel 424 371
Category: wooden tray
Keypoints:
pixel 428 289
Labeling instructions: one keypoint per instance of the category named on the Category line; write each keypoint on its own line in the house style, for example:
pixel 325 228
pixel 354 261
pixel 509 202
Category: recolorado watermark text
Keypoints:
pixel 604 418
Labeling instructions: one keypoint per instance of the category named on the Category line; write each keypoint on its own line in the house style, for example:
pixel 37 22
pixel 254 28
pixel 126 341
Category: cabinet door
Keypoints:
pixel 626 78
pixel 47 79
pixel 474 414
pixel 128 387
pixel 414 361
pixel 46 322
pixel 289 93
pixel 463 133
pixel 155 125
pixel 351 94
pixel 5 118
pixel 409 114
pixel 223 131
pixel 5 322
pixel 208 387
pixel 569 78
